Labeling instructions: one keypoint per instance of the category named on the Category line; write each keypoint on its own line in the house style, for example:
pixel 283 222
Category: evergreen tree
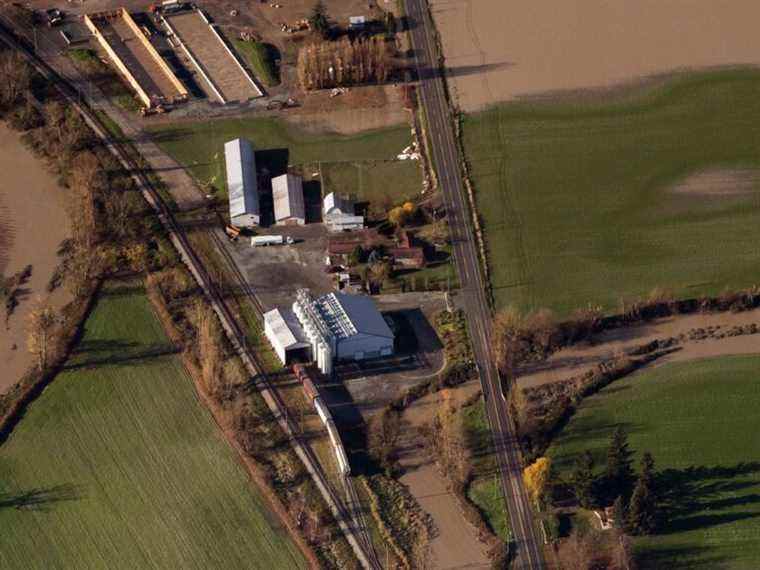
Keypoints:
pixel 618 514
pixel 319 20
pixel 619 471
pixel 583 480
pixel 642 513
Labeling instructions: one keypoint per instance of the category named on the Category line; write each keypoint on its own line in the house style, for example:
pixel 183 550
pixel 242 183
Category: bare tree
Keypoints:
pixel 86 181
pixel 15 77
pixel 40 332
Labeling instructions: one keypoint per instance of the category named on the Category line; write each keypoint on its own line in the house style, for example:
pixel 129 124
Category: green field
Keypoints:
pixel 261 59
pixel 118 465
pixel 485 491
pixel 700 422
pixel 583 189
pixel 359 164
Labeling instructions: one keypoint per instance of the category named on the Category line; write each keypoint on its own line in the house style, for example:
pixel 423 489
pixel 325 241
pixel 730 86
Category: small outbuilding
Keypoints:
pixel 286 336
pixel 242 184
pixel 287 193
pixel 339 213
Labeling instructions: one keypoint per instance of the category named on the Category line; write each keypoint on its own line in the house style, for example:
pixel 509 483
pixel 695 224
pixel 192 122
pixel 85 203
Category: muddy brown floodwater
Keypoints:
pixel 498 50
pixel 33 224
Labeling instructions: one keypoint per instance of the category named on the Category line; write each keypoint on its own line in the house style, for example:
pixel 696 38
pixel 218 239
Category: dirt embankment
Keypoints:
pixel 33 223
pixel 498 51
pixel 456 543
pixel 696 336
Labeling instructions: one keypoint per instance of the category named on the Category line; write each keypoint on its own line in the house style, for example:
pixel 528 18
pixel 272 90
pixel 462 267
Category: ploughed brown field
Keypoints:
pixel 499 50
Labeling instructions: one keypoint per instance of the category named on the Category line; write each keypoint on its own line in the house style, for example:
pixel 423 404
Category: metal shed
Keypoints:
pixel 242 184
pixel 287 192
pixel 286 335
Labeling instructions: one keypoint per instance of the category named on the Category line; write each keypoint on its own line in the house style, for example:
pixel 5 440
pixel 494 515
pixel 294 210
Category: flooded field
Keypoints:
pixel 33 223
pixel 500 50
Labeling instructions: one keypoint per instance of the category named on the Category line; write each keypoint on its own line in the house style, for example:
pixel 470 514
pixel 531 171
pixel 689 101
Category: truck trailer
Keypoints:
pixel 259 241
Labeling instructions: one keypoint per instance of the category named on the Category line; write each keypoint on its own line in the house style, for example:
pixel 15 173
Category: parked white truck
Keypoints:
pixel 259 241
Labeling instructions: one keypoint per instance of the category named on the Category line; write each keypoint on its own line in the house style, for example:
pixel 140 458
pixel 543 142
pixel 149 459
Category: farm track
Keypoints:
pixel 236 336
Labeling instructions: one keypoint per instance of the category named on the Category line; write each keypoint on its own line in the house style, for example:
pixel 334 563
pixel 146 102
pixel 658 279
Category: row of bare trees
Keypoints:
pixel 325 64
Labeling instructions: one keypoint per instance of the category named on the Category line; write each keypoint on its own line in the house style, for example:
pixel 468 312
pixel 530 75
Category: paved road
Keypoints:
pixel 442 141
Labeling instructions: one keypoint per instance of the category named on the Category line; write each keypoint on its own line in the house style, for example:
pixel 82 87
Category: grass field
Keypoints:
pixel 699 420
pixel 584 190
pixel 118 465
pixel 485 491
pixel 260 57
pixel 357 164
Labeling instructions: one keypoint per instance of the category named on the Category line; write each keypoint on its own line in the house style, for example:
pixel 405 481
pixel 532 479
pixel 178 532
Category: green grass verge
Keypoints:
pixel 118 465
pixel 384 183
pixel 583 189
pixel 484 491
pixel 699 420
pixel 200 147
pixel 260 57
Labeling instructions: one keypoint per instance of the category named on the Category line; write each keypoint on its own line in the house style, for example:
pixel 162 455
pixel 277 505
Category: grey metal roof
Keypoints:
pixel 287 192
pixel 286 328
pixel 242 188
pixel 348 315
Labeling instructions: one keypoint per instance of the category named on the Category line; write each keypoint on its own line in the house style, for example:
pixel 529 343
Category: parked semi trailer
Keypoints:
pixel 259 241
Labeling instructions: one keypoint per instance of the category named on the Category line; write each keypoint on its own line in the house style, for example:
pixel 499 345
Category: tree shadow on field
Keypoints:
pixel 679 558
pixel 693 497
pixel 39 499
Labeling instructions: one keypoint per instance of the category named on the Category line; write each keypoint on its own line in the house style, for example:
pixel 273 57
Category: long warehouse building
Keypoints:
pixel 242 184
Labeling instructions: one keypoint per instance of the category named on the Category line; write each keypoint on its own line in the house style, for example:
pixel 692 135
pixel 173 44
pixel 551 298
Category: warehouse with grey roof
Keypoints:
pixel 287 193
pixel 242 184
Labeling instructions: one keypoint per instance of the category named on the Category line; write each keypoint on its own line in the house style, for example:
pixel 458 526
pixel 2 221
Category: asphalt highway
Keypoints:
pixel 444 154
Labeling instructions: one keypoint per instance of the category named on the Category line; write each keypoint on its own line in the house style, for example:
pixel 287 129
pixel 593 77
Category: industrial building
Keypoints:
pixel 339 213
pixel 339 326
pixel 287 337
pixel 242 184
pixel 287 193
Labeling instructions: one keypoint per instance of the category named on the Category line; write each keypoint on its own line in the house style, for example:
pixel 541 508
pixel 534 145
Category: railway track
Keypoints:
pixel 357 536
pixel 353 503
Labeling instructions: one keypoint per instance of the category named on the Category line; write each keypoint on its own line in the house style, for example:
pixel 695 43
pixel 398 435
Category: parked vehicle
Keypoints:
pixel 54 17
pixel 259 241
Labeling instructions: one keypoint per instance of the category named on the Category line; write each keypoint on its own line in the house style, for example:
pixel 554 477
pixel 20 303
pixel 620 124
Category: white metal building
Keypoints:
pixel 339 213
pixel 287 192
pixel 242 184
pixel 286 335
pixel 342 327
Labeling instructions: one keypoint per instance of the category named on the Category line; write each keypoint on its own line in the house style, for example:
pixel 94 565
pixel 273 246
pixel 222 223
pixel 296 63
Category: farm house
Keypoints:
pixel 342 327
pixel 242 184
pixel 339 213
pixel 286 336
pixel 287 193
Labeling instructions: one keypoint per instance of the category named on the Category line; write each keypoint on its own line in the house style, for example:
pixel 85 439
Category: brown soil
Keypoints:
pixel 577 359
pixel 497 51
pixel 719 183
pixel 359 109
pixel 456 543
pixel 33 223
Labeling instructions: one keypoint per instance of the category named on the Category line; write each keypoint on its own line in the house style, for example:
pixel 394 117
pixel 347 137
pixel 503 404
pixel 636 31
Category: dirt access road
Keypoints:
pixel 498 51
pixel 33 223
pixel 455 544
pixel 700 336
